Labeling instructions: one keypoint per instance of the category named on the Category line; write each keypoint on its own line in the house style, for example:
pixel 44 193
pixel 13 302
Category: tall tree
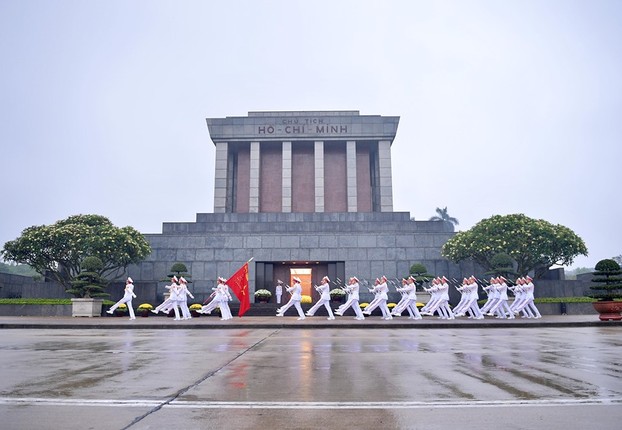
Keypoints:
pixel 534 244
pixel 443 215
pixel 57 251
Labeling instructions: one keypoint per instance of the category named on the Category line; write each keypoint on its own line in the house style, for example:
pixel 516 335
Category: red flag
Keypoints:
pixel 238 283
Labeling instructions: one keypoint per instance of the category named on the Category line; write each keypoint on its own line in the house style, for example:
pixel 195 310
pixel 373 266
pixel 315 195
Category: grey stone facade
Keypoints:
pixel 366 245
pixel 301 190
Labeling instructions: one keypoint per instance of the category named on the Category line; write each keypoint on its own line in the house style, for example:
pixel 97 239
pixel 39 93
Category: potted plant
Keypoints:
pixel 88 289
pixel 263 296
pixel 121 311
pixel 607 288
pixel 194 309
pixel 337 295
pixel 144 309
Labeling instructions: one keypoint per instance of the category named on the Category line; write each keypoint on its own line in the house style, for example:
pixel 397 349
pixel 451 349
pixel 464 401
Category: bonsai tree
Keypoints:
pixel 179 270
pixel 502 265
pixel 89 283
pixel 420 273
pixel 608 283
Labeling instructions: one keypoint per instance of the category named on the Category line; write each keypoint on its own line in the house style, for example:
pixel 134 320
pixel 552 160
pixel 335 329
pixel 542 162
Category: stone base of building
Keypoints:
pixel 338 245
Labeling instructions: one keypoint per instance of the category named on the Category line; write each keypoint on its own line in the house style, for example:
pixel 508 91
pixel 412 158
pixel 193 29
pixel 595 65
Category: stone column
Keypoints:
pixel 319 176
pixel 287 177
pixel 351 176
pixel 253 206
pixel 220 177
pixel 386 187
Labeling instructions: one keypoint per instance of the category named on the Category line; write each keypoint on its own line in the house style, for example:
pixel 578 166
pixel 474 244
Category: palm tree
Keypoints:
pixel 444 216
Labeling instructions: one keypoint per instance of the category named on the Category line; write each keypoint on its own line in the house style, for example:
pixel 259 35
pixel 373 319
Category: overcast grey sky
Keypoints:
pixel 506 106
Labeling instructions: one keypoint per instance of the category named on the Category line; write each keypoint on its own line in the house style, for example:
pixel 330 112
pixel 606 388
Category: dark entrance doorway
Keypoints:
pixel 267 273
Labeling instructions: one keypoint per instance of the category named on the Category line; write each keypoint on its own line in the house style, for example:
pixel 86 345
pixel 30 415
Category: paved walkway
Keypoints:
pixel 554 378
pixel 210 322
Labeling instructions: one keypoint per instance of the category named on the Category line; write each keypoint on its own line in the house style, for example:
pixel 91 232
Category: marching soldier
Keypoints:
pixel 324 290
pixel 296 292
pixel 128 295
pixel 353 300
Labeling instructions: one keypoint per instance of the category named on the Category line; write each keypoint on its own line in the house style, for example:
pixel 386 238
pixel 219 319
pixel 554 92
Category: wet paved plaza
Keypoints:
pixel 563 377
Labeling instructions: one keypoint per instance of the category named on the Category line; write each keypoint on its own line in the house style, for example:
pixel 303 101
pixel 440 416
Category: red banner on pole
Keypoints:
pixel 238 283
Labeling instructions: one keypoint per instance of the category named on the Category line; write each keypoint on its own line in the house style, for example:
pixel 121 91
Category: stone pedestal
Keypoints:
pixel 86 307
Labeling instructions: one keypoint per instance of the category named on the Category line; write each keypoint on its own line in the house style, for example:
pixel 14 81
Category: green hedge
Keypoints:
pixel 43 302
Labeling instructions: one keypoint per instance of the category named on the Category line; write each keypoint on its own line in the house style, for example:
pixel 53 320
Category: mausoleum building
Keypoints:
pixel 304 194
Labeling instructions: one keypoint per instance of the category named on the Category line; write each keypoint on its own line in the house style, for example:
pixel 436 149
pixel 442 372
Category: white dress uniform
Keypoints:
pixel 530 297
pixel 434 291
pixel 375 302
pixel 176 298
pixel 493 297
pixel 443 307
pixel 353 300
pixel 185 312
pixel 461 308
pixel 473 307
pixel 225 297
pixel 502 308
pixel 382 297
pixel 410 290
pixel 128 295
pixel 213 304
pixel 166 305
pixel 296 292
pixel 279 292
pixel 401 305
pixel 527 304
pixel 324 290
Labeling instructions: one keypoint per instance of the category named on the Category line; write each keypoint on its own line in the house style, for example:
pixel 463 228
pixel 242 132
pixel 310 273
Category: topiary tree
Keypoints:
pixel 89 283
pixel 420 273
pixel 502 265
pixel 179 270
pixel 608 281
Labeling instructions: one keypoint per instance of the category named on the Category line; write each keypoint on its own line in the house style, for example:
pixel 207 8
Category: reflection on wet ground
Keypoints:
pixel 314 365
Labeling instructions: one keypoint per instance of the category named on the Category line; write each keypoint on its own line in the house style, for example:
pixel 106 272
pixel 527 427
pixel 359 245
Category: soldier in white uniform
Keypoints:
pixel 185 312
pixel 401 305
pixel 443 307
pixel 430 307
pixel 224 296
pixel 501 306
pixel 382 290
pixel 375 302
pixel 493 296
pixel 278 290
pixel 324 290
pixel 176 299
pixel 526 303
pixel 296 292
pixel 410 291
pixel 166 304
pixel 215 302
pixel 128 295
pixel 530 296
pixel 472 306
pixel 461 308
pixel 353 299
